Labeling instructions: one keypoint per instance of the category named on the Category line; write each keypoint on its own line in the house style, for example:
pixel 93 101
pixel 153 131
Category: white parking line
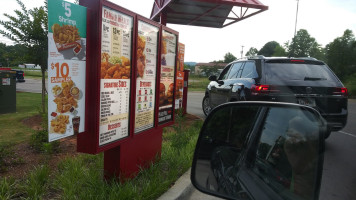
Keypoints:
pixel 349 134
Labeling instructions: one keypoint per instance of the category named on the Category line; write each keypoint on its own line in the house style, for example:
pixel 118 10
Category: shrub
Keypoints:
pixel 39 141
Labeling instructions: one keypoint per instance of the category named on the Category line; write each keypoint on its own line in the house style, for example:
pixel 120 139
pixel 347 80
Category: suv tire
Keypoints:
pixel 206 105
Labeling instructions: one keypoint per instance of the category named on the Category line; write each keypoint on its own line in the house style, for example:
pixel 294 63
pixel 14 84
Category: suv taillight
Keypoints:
pixel 262 89
pixel 340 91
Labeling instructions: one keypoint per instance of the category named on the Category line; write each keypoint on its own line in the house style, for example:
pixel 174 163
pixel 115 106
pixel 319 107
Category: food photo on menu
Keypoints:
pixel 141 57
pixel 114 67
pixel 68 41
pixel 66 97
pixel 165 94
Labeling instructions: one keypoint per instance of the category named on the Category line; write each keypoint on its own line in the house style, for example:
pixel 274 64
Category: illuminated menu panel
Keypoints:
pixel 116 40
pixel 147 43
pixel 168 59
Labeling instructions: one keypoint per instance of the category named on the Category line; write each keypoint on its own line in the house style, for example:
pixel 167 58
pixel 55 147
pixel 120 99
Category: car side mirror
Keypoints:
pixel 260 150
pixel 212 78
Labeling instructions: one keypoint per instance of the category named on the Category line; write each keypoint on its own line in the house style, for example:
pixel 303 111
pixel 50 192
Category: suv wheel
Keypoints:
pixel 206 105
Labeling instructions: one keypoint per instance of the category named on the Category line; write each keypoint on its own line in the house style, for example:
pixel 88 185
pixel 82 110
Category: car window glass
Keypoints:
pixel 287 153
pixel 235 70
pixel 277 72
pixel 249 70
pixel 223 139
pixel 224 73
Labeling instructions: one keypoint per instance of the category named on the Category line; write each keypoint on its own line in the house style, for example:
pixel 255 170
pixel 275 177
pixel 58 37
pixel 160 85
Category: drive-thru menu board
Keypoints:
pixel 180 76
pixel 116 41
pixel 168 59
pixel 147 43
pixel 66 69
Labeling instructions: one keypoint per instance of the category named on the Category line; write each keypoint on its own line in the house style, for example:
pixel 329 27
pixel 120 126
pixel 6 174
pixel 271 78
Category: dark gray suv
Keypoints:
pixel 305 81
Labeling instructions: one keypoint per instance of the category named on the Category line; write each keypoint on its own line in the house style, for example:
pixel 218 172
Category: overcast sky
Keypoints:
pixel 324 19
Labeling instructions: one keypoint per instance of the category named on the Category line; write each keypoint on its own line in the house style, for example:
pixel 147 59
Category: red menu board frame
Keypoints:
pixel 168 122
pixel 145 143
pixel 88 141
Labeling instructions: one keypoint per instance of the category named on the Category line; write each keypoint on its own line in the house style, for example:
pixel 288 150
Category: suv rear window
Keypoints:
pixel 297 71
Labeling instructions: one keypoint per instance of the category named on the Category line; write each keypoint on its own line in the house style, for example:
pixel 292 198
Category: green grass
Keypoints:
pixel 12 130
pixel 82 177
pixel 33 74
pixel 197 83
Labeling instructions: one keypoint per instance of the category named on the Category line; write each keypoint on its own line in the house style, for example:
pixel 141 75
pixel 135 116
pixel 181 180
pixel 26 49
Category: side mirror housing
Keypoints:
pixel 260 150
pixel 212 78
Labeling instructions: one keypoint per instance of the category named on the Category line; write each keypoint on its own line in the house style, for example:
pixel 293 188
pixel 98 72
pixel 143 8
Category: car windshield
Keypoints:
pixel 277 72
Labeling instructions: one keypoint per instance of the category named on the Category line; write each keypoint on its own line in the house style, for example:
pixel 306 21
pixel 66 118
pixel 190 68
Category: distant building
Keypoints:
pixel 198 66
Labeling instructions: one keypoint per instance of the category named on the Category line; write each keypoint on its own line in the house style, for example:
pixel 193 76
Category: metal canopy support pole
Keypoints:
pixel 163 17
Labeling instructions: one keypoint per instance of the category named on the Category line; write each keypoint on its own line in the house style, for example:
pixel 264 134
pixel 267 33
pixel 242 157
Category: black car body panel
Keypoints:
pixel 304 81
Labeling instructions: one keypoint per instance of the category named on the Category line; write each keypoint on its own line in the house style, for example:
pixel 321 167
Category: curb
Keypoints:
pixel 181 189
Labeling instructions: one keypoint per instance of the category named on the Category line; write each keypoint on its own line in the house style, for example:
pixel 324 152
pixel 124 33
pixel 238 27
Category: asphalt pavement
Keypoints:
pixel 30 85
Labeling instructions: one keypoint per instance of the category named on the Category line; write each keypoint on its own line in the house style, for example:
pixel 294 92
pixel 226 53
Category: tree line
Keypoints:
pixel 340 54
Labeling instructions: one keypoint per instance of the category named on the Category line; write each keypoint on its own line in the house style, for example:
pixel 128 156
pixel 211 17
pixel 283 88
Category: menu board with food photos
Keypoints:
pixel 116 42
pixel 180 77
pixel 66 69
pixel 168 59
pixel 147 43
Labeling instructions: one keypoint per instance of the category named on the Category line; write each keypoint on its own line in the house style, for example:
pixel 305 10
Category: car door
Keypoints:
pixel 224 90
pixel 215 86
pixel 260 150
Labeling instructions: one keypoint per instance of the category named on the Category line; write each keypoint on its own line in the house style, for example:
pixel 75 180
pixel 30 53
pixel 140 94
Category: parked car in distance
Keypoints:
pixel 19 75
pixel 306 81
pixel 260 150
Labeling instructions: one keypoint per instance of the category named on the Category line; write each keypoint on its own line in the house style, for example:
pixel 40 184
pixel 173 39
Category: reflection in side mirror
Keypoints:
pixel 255 150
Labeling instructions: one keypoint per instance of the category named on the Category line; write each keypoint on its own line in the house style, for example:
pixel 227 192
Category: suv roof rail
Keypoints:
pixel 255 57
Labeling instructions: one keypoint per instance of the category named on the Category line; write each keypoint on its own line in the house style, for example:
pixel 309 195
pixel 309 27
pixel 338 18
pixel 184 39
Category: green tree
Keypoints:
pixel 341 54
pixel 29 28
pixel 268 49
pixel 17 54
pixel 229 57
pixel 2 53
pixel 303 45
pixel 279 51
pixel 252 52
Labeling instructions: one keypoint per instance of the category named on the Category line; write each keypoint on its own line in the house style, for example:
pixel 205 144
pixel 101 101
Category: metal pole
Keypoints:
pixel 296 19
pixel 242 50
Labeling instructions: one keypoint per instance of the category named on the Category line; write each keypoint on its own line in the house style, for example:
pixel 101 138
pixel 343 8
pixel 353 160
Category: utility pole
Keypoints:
pixel 296 19
pixel 242 50
pixel 295 30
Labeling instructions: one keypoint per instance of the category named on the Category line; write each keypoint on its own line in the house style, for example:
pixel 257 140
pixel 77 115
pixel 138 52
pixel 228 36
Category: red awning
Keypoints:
pixel 207 13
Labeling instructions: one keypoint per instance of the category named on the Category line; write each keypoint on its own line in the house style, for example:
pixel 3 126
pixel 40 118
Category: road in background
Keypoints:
pixel 339 174
pixel 30 85
pixel 195 104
